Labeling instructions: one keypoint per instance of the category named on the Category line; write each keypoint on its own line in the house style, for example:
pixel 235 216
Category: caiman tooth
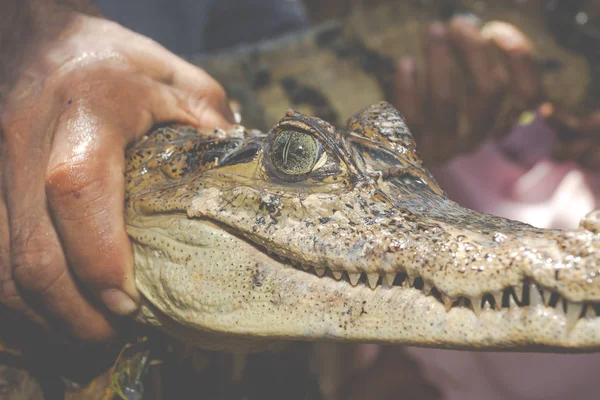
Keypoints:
pixel 337 274
pixel 518 290
pixel 512 301
pixel 448 301
pixel 319 271
pixel 427 288
pixel 354 278
pixel 573 313
pixel 306 267
pixel 535 297
pixel 559 306
pixel 476 305
pixel 547 294
pixel 487 306
pixel 388 280
pixel 497 300
pixel 373 278
pixel 589 311
pixel 410 277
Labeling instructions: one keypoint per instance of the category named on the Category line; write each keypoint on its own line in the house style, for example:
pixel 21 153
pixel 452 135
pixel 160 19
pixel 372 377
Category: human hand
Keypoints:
pixel 460 110
pixel 79 100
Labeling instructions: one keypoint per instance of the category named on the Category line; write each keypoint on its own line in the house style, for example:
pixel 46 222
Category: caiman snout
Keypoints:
pixel 313 232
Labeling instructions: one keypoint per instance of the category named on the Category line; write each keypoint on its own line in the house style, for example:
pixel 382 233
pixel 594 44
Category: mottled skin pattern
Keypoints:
pixel 296 70
pixel 232 254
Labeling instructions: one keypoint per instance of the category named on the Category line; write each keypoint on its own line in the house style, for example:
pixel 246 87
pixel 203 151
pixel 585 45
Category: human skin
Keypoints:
pixel 495 93
pixel 75 90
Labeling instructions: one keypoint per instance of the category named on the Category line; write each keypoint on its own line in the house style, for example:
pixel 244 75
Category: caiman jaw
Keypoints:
pixel 313 233
pixel 527 294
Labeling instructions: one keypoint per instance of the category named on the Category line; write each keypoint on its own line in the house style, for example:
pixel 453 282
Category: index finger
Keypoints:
pixel 85 178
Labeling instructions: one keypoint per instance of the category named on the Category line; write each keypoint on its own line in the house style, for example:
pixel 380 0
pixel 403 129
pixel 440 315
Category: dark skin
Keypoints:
pixel 455 115
pixel 75 92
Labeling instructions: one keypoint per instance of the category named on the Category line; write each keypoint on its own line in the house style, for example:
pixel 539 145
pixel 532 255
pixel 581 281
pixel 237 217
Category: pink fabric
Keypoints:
pixel 517 179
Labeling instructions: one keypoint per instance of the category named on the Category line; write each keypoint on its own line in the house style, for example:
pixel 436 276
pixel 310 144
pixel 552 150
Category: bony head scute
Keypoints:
pixel 293 154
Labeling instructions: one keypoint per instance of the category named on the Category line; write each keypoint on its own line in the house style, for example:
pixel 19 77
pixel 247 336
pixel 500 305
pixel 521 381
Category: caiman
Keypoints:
pixel 245 241
pixel 317 233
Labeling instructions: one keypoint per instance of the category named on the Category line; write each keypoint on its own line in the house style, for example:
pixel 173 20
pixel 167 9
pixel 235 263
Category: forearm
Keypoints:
pixel 25 25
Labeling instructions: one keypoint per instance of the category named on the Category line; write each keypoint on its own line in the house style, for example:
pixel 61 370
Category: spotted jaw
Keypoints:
pixel 248 300
pixel 390 259
pixel 524 296
pixel 249 296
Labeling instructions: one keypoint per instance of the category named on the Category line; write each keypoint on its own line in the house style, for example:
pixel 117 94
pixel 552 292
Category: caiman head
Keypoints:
pixel 315 233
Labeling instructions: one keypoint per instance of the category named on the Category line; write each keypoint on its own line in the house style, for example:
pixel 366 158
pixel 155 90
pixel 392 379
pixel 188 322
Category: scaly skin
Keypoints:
pixel 342 66
pixel 221 237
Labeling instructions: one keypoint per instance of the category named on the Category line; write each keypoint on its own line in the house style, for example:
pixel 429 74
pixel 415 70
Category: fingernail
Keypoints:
pixel 118 302
pixel 506 35
pixel 437 30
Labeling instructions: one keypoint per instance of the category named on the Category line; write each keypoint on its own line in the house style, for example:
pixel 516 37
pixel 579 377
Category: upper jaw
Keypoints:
pixel 458 256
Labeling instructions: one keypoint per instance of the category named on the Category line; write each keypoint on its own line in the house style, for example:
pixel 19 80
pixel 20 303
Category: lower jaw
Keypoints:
pixel 517 178
pixel 404 315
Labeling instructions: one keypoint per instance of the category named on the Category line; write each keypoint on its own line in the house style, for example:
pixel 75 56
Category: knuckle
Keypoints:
pixel 217 93
pixel 74 180
pixel 36 263
pixel 36 271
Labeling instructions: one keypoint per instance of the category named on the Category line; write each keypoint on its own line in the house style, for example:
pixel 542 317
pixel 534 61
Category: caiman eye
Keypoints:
pixel 295 153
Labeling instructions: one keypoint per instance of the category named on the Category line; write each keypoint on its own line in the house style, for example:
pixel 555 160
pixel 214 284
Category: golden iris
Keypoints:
pixel 294 153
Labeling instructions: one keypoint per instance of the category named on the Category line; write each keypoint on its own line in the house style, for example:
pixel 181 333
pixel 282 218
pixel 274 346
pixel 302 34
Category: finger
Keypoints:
pixel 208 100
pixel 525 89
pixel 38 265
pixel 487 80
pixel 406 96
pixel 9 295
pixel 442 92
pixel 517 52
pixel 211 102
pixel 40 269
pixel 85 193
pixel 85 181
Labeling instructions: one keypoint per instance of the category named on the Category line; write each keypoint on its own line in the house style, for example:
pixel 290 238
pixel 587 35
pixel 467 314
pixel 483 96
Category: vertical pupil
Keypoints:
pixel 294 153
